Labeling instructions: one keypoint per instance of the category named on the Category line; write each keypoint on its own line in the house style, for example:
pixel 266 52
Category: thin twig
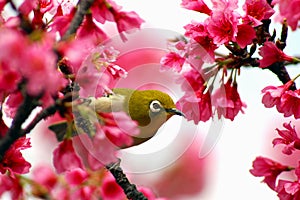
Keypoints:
pixel 82 7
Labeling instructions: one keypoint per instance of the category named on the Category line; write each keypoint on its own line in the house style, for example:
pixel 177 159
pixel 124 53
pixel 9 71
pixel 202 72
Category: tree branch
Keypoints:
pixel 13 133
pixel 42 115
pixel 82 8
pixel 279 69
pixel 129 189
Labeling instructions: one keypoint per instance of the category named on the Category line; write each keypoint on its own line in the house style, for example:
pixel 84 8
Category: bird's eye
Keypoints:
pixel 155 106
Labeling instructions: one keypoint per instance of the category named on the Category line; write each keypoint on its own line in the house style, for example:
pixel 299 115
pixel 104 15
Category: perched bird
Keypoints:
pixel 150 108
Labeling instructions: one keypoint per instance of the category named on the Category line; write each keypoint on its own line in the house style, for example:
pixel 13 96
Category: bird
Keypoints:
pixel 149 108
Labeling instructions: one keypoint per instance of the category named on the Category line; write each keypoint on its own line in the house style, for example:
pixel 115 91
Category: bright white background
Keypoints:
pixel 245 138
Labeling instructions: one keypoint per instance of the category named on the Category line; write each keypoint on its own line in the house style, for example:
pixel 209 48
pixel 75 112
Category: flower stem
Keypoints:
pixel 296 60
pixel 295 77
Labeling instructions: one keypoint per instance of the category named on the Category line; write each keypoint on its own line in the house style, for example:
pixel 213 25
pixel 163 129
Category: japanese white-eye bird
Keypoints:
pixel 150 108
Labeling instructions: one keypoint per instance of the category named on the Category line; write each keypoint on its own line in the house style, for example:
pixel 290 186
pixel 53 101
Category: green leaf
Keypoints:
pixel 61 129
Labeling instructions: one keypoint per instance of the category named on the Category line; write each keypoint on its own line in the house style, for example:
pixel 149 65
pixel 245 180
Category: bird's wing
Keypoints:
pixel 112 103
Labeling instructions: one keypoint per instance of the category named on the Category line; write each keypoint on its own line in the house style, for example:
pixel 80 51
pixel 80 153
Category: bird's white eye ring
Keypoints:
pixel 155 106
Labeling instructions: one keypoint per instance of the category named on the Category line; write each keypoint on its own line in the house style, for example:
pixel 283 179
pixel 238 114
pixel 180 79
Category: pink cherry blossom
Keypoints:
pixel 2 4
pixel 12 22
pixel 36 69
pixel 101 10
pixel 149 194
pixel 222 27
pixel 75 52
pixel 245 35
pixel 272 95
pixel 172 61
pixel 127 21
pixel 12 103
pixel 227 6
pixel 227 101
pixel 61 23
pixel 191 81
pixel 289 9
pixel 90 30
pixel 269 169
pixel 9 78
pixel 257 10
pixel 61 193
pixel 289 190
pixel 196 107
pixel 84 193
pixel 290 104
pixel 196 103
pixel 76 176
pixel 199 33
pixel 271 54
pixel 13 159
pixel 12 185
pixel 110 190
pixel 289 138
pixel 46 5
pixel 116 71
pixel 38 8
pixel 92 73
pixel 222 24
pixel 13 42
pixel 94 70
pixel 96 152
pixel 45 176
pixel 196 5
pixel 27 6
pixel 65 158
pixel 284 99
pixel 119 128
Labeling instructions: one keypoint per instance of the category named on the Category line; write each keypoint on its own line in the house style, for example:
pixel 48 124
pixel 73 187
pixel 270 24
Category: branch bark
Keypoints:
pixel 129 189
pixel 279 69
pixel 13 133
pixel 82 8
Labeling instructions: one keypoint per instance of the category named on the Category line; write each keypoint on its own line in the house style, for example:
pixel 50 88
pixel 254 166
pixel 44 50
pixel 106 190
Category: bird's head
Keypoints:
pixel 151 107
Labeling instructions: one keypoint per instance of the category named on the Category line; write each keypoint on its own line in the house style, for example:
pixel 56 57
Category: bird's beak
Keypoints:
pixel 174 111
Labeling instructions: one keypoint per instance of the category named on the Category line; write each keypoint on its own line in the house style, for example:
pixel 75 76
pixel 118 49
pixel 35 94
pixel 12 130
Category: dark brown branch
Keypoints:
pixel 39 117
pixel 279 69
pixel 14 131
pixel 82 8
pixel 129 189
pixel 284 33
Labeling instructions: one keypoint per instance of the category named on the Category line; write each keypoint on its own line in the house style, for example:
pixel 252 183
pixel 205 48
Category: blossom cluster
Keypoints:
pixel 285 100
pixel 77 183
pixel 271 170
pixel 240 34
pixel 50 62
pixel 53 58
